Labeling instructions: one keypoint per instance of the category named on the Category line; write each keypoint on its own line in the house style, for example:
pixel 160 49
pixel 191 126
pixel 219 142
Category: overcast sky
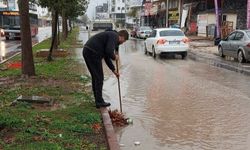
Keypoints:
pixel 92 5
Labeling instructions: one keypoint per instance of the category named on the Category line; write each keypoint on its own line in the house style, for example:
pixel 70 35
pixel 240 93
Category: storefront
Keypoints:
pixel 173 12
pixel 173 17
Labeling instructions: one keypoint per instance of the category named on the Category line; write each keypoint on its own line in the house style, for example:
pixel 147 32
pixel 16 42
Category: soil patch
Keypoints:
pixel 55 53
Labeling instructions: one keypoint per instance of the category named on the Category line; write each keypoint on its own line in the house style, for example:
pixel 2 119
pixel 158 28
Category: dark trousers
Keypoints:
pixel 94 64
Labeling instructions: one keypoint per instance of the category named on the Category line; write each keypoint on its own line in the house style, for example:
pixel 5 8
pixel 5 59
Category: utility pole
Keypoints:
pixel 248 14
pixel 217 18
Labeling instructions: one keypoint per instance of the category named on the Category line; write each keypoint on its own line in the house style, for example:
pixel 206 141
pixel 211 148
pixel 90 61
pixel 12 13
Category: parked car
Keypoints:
pixel 1 32
pixel 175 26
pixel 167 40
pixel 236 45
pixel 143 32
pixel 133 32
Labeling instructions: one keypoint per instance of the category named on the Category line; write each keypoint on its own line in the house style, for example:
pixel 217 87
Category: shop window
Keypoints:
pixel 173 4
pixel 224 18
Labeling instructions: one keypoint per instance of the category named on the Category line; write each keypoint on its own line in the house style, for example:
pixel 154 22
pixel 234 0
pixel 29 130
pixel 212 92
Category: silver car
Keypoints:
pixel 143 32
pixel 236 45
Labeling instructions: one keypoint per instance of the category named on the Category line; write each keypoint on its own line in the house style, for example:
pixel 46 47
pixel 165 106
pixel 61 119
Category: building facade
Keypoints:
pixel 203 17
pixel 215 18
pixel 102 12
pixel 161 13
pixel 118 10
pixel 133 14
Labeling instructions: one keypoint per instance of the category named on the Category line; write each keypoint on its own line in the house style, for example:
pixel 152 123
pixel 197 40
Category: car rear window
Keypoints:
pixel 146 28
pixel 171 33
pixel 248 33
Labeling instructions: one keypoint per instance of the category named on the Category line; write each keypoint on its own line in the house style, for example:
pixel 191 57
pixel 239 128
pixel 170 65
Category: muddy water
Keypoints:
pixel 10 47
pixel 179 104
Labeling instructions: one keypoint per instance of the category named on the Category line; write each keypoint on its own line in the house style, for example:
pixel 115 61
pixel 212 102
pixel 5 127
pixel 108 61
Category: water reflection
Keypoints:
pixel 180 104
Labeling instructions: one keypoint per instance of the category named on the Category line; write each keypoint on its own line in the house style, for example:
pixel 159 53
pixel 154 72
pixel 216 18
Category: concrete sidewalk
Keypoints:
pixel 203 49
pixel 202 45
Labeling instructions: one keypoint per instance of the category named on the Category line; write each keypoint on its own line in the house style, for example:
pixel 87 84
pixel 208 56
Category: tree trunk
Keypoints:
pixel 54 19
pixel 58 31
pixel 28 67
pixel 54 34
pixel 64 25
pixel 70 25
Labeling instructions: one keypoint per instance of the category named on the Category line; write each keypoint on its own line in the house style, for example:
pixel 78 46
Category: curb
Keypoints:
pixel 19 53
pixel 109 130
pixel 219 63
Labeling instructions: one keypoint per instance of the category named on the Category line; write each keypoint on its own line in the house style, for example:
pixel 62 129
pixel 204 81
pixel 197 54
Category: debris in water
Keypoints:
pixel 122 145
pixel 129 121
pixel 117 118
pixel 137 143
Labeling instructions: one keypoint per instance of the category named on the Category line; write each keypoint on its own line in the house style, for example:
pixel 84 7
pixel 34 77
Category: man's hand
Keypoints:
pixel 116 57
pixel 116 73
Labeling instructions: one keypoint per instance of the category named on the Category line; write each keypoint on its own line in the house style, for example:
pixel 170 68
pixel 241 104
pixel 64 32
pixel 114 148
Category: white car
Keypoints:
pixel 143 32
pixel 167 40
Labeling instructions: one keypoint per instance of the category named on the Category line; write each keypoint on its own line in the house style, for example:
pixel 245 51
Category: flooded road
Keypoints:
pixel 179 104
pixel 10 47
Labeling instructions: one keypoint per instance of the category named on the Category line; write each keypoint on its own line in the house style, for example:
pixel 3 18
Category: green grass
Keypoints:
pixel 68 125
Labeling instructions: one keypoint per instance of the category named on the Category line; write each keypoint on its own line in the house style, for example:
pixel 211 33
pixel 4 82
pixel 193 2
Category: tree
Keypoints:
pixel 69 8
pixel 52 5
pixel 84 19
pixel 28 68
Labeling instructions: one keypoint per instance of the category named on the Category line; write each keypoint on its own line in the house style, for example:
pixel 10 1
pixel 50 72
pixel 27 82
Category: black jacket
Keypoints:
pixel 104 44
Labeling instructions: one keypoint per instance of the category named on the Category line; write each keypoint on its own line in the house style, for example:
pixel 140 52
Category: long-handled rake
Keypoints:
pixel 119 86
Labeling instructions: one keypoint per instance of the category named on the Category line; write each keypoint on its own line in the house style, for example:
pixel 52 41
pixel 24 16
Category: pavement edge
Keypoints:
pixel 217 63
pixel 109 130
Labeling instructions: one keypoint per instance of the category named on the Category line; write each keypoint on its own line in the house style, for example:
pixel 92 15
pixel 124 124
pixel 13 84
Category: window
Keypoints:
pixel 171 33
pixel 153 33
pixel 123 8
pixel 113 9
pixel 173 4
pixel 224 18
pixel 231 36
pixel 248 33
pixel 239 36
pixel 118 8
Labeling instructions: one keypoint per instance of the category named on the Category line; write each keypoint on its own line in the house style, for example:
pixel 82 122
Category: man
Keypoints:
pixel 98 47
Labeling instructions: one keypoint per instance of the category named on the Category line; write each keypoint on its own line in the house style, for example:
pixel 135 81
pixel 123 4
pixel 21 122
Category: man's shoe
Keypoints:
pixel 104 104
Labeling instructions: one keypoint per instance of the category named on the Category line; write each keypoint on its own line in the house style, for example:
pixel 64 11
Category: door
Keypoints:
pixel 226 45
pixel 235 44
pixel 150 40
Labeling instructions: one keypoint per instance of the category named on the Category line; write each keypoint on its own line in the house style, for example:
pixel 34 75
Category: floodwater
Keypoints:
pixel 178 104
pixel 11 47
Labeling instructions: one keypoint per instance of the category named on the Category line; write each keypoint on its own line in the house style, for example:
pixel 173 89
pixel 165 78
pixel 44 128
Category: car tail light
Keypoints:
pixel 161 41
pixel 185 40
pixel 248 45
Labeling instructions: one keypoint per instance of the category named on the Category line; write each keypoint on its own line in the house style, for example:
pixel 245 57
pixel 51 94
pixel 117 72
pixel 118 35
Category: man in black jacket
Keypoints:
pixel 98 47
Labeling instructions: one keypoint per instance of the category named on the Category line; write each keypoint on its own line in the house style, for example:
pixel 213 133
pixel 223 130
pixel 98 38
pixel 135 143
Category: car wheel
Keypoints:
pixel 184 55
pixel 153 52
pixel 145 50
pixel 221 52
pixel 241 57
